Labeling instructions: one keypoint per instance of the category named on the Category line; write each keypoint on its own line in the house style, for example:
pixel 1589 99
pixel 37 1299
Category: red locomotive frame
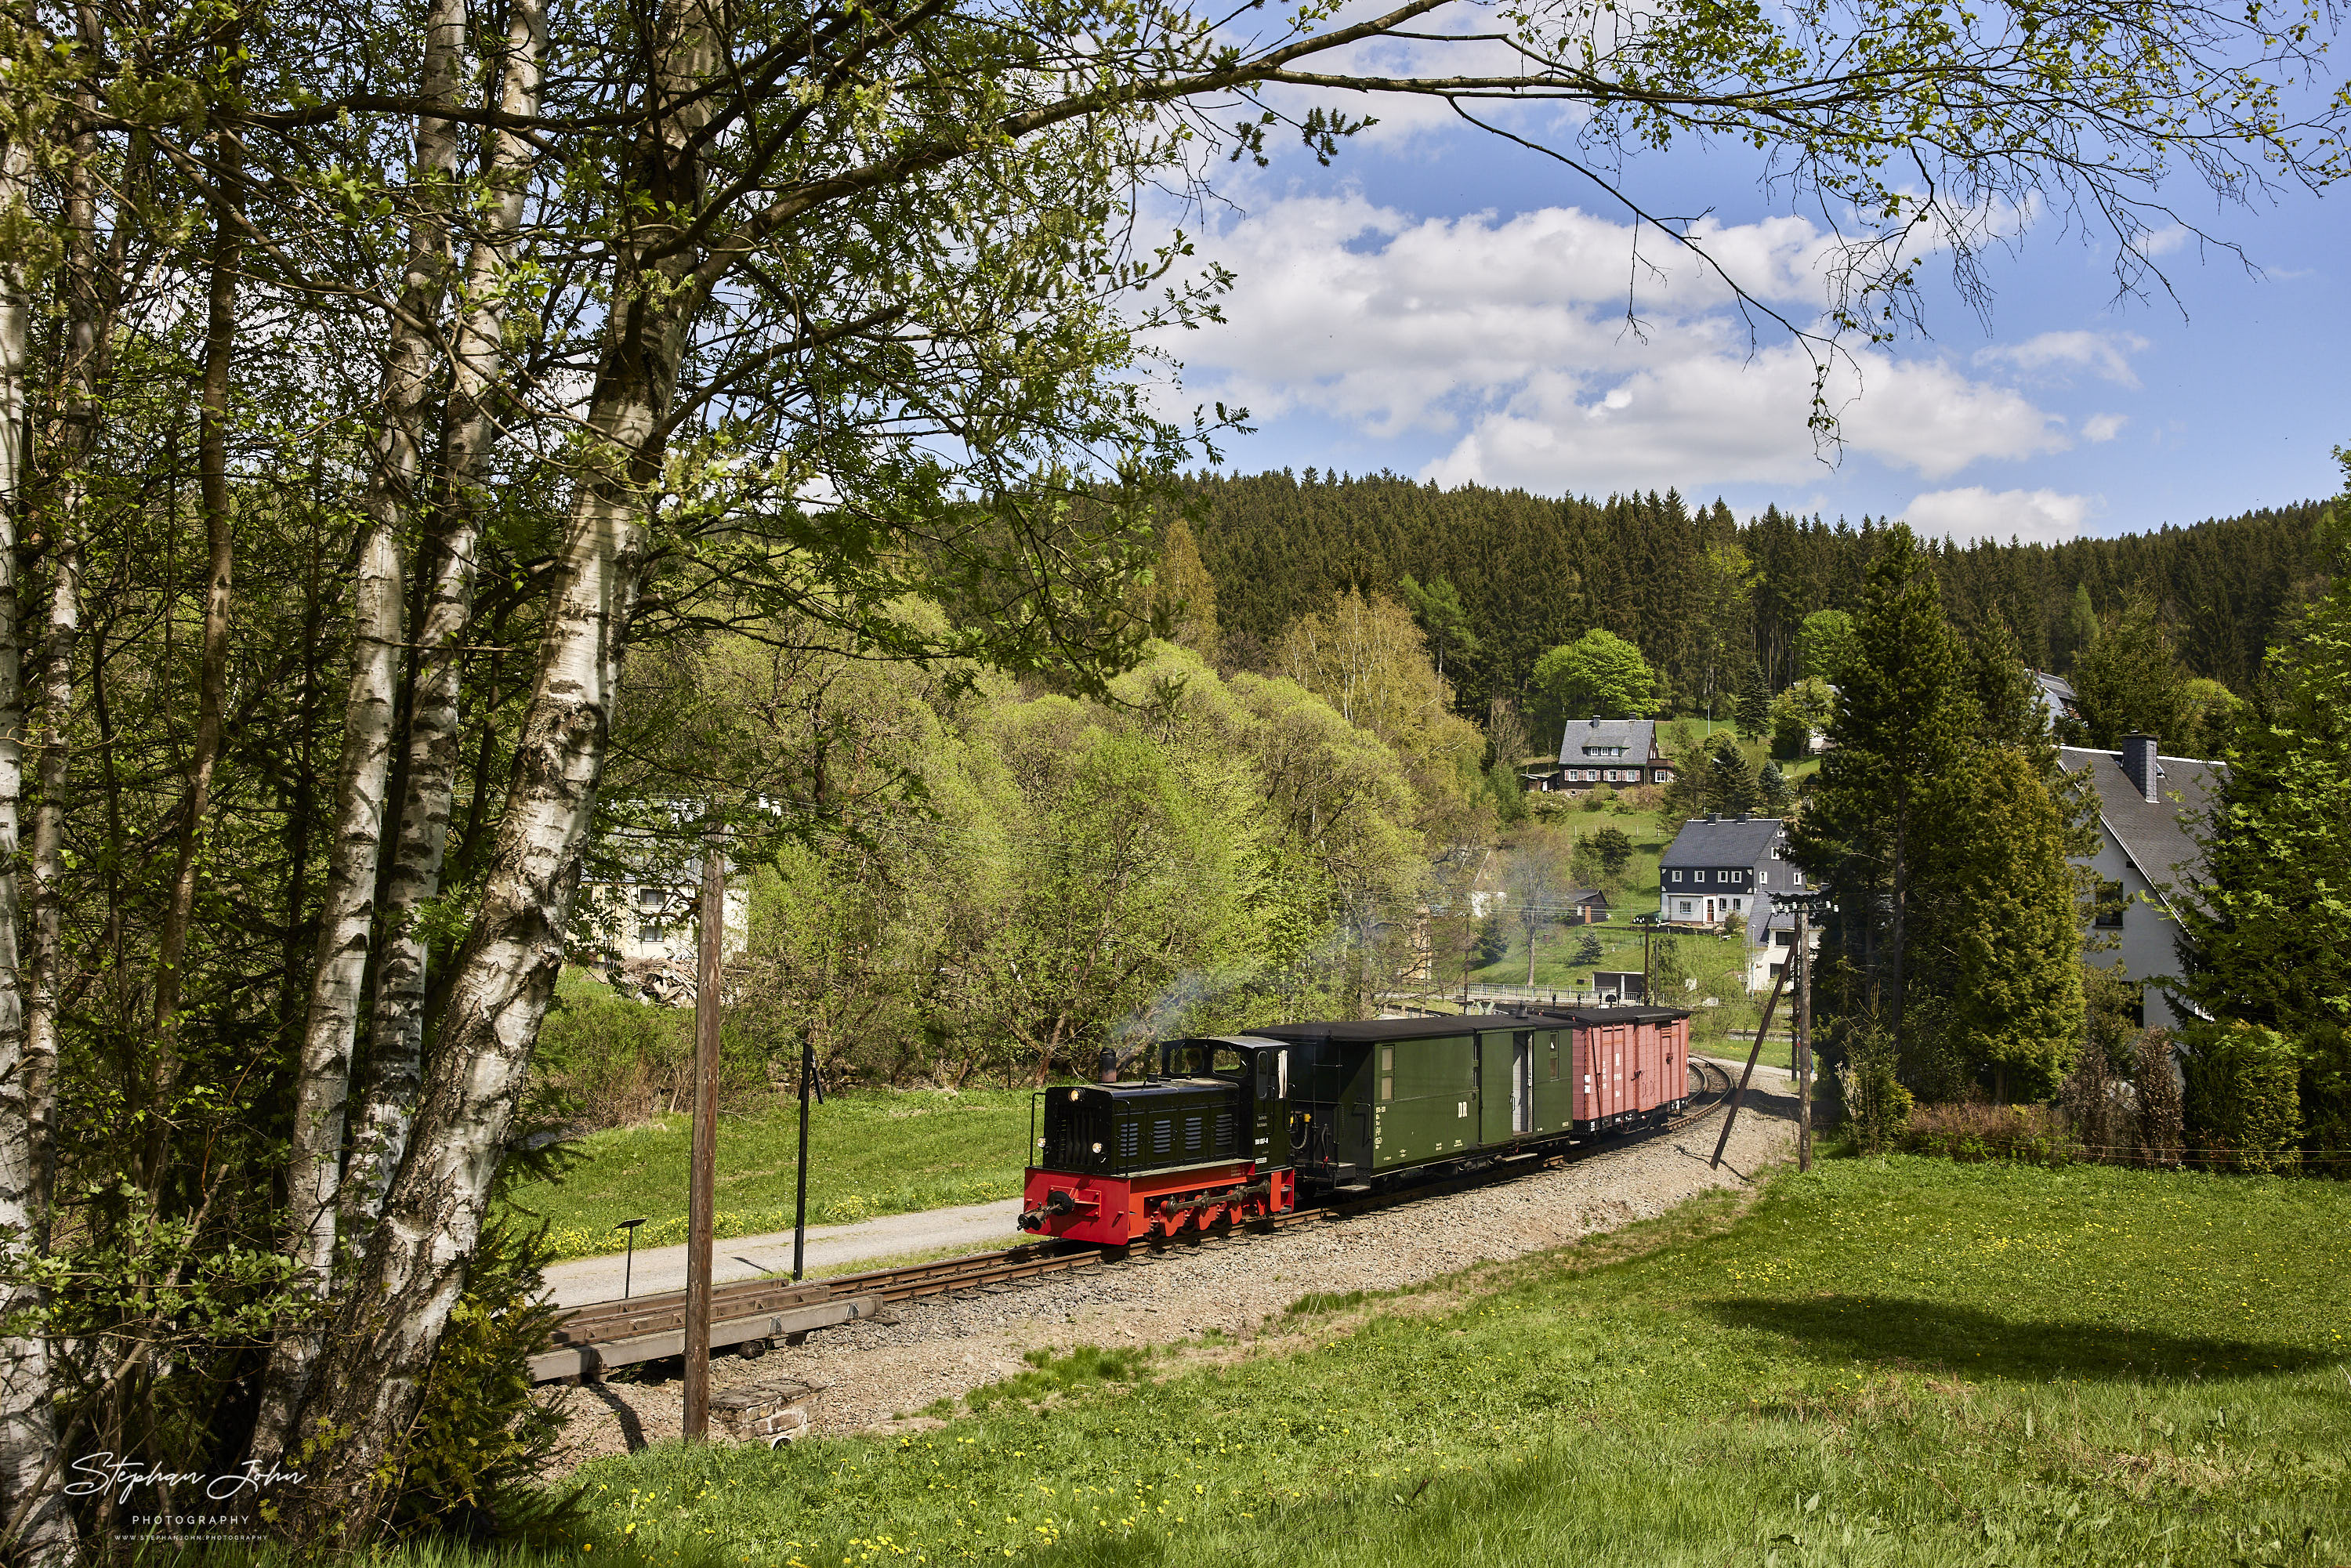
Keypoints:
pixel 1112 1211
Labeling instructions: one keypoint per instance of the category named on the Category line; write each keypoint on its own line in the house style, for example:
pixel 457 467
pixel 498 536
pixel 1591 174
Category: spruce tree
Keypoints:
pixel 2081 623
pixel 1886 790
pixel 1442 619
pixel 1731 785
pixel 2130 679
pixel 2007 931
pixel 1754 704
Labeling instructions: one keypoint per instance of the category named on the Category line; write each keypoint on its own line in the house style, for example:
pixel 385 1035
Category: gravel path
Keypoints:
pixel 941 1348
pixel 978 1227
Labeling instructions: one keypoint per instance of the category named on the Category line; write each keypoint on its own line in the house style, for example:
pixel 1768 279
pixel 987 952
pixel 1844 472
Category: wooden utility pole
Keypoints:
pixel 702 1197
pixel 1804 1037
pixel 1730 1116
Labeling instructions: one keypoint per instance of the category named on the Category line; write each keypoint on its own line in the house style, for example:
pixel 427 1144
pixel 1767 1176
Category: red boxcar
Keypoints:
pixel 1630 1063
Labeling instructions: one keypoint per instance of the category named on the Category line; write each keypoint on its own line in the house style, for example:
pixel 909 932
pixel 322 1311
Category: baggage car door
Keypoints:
pixel 1497 1080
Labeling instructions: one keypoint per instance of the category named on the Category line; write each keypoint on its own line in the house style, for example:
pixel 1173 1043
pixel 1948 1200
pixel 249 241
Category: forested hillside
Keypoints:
pixel 1702 594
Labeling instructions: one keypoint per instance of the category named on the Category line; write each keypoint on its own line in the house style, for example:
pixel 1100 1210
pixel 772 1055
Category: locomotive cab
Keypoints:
pixel 1260 1069
pixel 1205 1143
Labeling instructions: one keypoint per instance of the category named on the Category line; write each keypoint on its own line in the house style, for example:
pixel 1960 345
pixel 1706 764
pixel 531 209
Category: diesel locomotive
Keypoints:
pixel 1240 1128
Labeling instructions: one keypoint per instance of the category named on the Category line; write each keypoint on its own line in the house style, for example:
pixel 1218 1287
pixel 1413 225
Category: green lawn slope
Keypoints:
pixel 869 1154
pixel 1895 1362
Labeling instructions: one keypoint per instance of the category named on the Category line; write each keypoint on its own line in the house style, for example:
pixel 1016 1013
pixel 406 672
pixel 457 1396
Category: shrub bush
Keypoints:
pixel 474 1463
pixel 617 1061
pixel 2243 1103
pixel 1875 1100
pixel 2327 1100
pixel 2157 1079
pixel 2027 1134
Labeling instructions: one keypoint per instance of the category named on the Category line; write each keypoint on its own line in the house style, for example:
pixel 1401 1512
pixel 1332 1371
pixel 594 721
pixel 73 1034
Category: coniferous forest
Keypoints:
pixel 1701 594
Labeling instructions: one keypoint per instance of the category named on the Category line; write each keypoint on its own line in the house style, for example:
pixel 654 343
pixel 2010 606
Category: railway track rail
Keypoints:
pixel 754 1314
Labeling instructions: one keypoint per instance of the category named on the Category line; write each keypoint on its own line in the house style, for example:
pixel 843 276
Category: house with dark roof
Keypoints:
pixel 1618 753
pixel 1721 867
pixel 2055 696
pixel 2146 856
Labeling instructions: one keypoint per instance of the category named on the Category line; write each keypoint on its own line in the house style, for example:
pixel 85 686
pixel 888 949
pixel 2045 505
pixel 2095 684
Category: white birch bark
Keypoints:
pixel 396 1013
pixel 322 1083
pixel 371 1375
pixel 28 1417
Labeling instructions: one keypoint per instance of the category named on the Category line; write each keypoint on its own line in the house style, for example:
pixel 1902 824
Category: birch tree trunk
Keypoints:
pixel 371 1373
pixel 34 1512
pixel 211 680
pixel 322 1082
pixel 72 437
pixel 396 1012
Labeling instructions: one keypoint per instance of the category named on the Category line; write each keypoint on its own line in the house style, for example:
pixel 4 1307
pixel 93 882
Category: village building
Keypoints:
pixel 2145 859
pixel 1617 753
pixel 1718 869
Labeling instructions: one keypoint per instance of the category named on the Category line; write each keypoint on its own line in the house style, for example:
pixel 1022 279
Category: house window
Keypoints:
pixel 1677 876
pixel 1685 907
pixel 654 931
pixel 2110 906
pixel 1777 970
pixel 1783 938
pixel 1800 878
pixel 1766 879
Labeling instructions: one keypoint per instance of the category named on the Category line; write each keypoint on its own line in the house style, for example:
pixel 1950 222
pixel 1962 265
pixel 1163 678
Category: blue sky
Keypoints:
pixel 1443 305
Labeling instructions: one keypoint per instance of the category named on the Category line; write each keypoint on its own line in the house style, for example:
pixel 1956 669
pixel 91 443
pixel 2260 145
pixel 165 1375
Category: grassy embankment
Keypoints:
pixel 869 1154
pixel 1883 1361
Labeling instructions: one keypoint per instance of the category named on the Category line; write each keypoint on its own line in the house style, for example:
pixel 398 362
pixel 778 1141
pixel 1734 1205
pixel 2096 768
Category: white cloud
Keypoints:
pixel 2104 426
pixel 2104 354
pixel 1513 333
pixel 2036 517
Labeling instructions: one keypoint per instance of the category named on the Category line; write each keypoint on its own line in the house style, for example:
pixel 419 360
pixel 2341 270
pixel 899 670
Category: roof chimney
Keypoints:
pixel 2138 761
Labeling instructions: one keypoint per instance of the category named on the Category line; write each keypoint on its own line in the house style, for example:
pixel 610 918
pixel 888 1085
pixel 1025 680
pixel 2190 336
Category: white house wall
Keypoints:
pixel 2147 949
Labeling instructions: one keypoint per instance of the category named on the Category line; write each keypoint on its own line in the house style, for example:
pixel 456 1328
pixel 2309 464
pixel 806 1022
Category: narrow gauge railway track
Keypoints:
pixel 752 1314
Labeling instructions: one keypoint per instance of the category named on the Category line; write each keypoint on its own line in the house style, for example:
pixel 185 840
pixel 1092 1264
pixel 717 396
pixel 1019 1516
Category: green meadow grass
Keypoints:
pixel 869 1154
pixel 1884 1362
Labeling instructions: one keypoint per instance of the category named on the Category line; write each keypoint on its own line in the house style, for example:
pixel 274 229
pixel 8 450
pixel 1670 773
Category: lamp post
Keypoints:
pixel 809 1081
pixel 628 1264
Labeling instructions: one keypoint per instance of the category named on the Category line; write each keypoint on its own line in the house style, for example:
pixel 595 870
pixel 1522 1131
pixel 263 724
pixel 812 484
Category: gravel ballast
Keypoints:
pixel 941 1348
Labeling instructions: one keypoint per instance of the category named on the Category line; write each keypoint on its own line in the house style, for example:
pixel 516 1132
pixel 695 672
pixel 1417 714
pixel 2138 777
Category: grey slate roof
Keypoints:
pixel 2055 693
pixel 1638 737
pixel 2151 833
pixel 1727 842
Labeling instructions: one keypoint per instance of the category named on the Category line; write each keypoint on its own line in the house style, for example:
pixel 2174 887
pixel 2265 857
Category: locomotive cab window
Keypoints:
pixel 1202 1060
